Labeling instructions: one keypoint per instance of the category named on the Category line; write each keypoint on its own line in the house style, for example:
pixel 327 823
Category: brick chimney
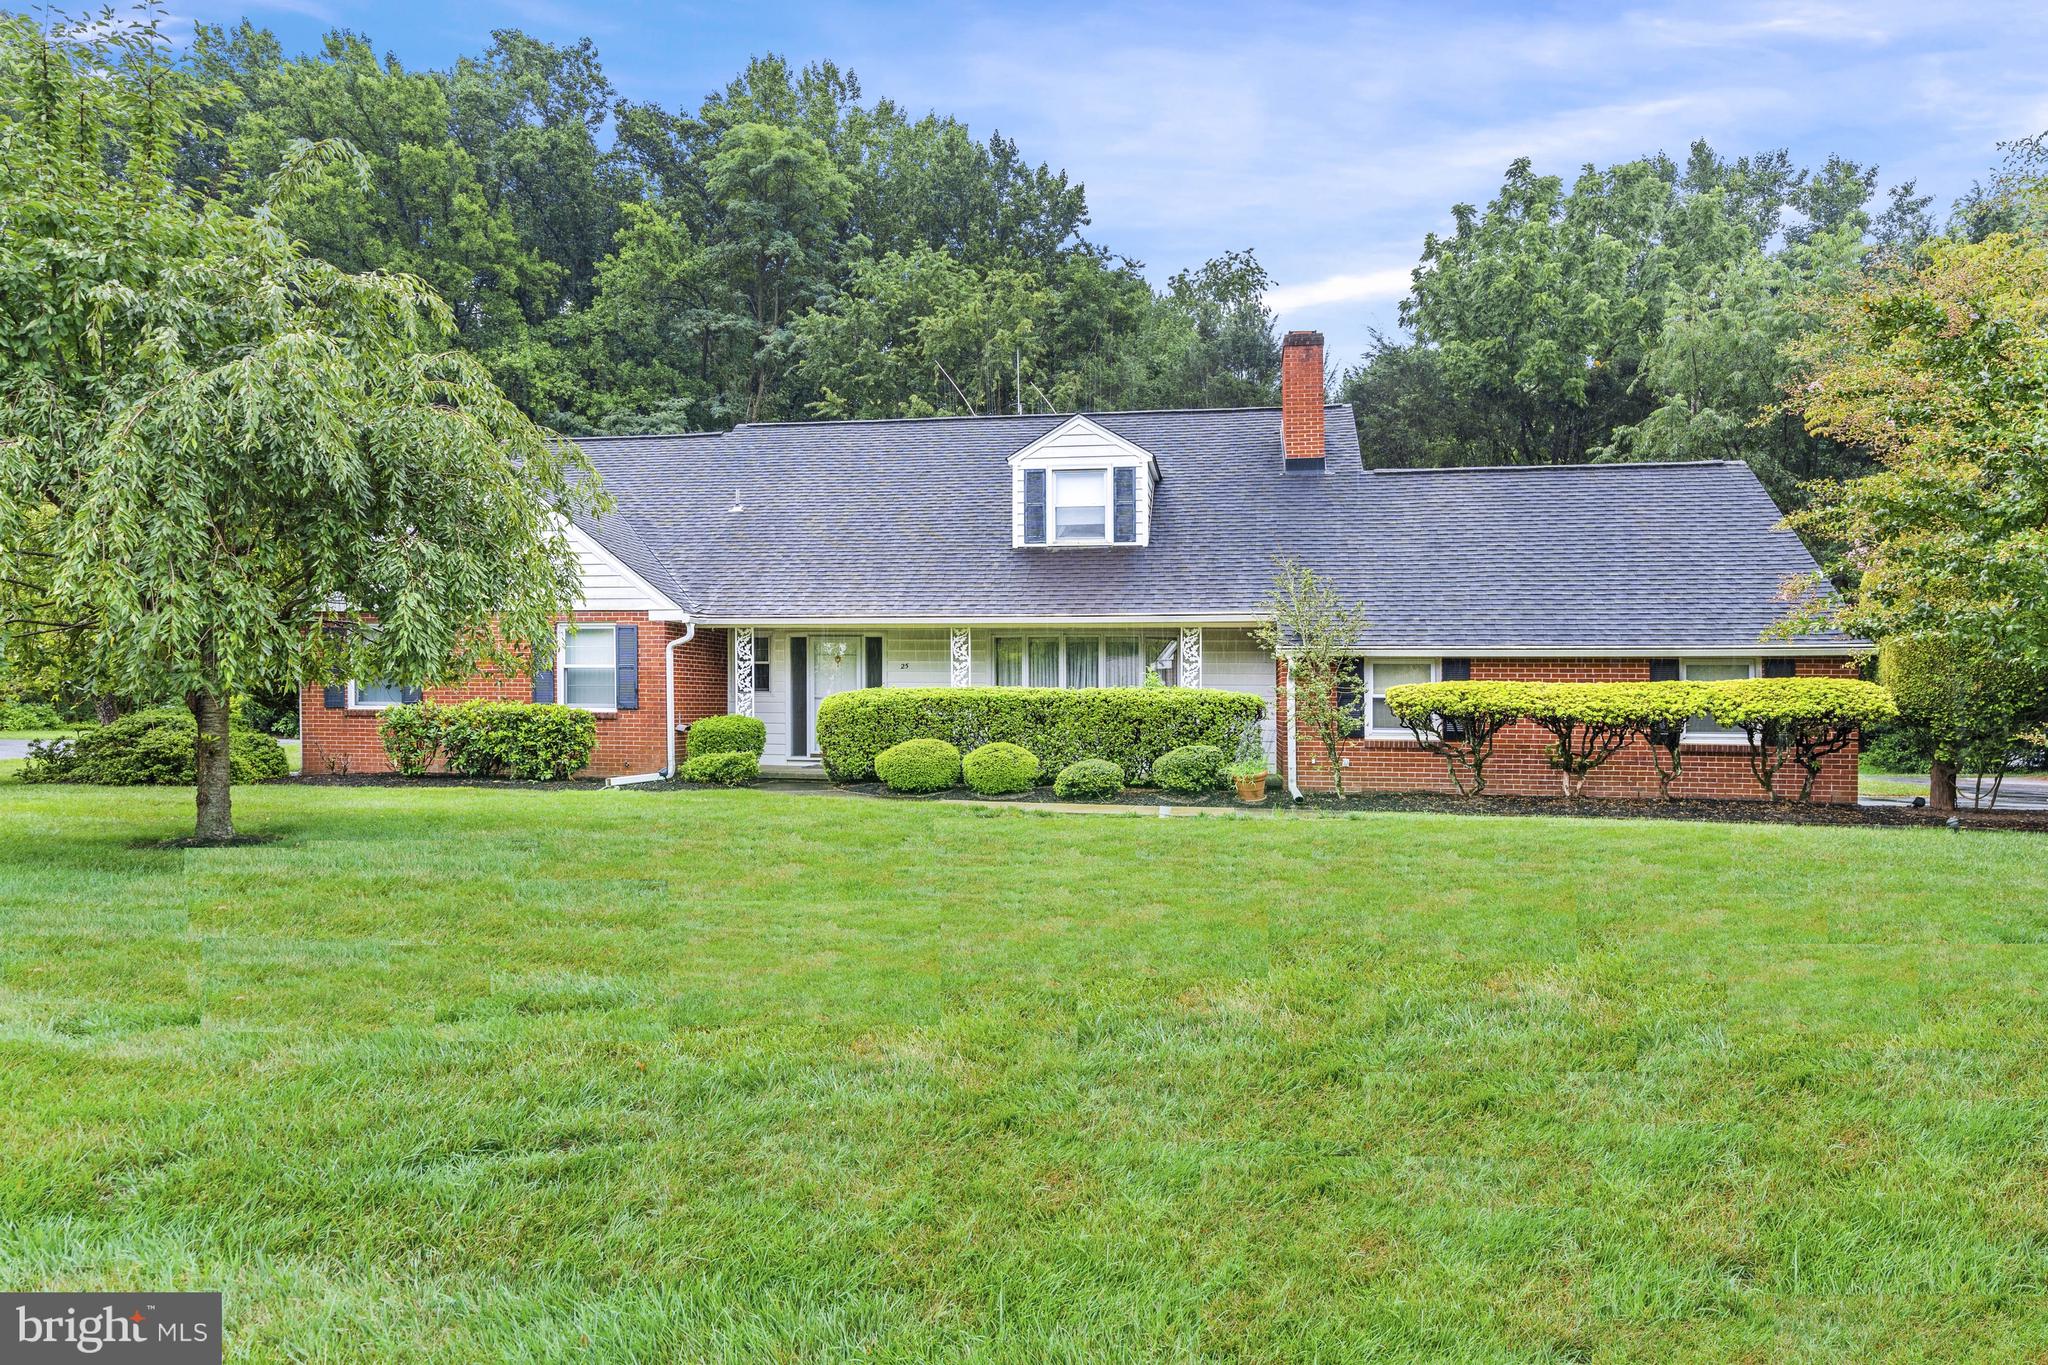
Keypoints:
pixel 1301 399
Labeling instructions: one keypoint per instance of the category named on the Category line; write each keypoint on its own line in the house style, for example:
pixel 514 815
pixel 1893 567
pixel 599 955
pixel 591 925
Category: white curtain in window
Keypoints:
pixel 1045 661
pixel 1122 664
pixel 1009 663
pixel 1084 661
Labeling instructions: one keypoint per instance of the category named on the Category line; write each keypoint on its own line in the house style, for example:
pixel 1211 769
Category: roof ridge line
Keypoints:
pixel 1546 468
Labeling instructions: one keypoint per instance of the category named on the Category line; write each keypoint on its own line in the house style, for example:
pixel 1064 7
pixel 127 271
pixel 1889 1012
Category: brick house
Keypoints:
pixel 761 570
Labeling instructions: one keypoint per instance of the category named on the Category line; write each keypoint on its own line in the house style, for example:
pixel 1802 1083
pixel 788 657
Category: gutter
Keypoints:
pixel 669 695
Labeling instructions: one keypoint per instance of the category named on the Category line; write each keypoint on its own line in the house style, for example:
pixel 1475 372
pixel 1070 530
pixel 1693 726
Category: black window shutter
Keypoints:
pixel 1457 670
pixel 626 646
pixel 1351 695
pixel 334 697
pixel 543 677
pixel 874 661
pixel 1126 499
pixel 1034 507
pixel 799 695
pixel 1663 670
pixel 1781 668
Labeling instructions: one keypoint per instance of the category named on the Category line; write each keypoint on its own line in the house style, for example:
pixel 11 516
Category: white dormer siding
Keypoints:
pixel 608 585
pixel 1078 447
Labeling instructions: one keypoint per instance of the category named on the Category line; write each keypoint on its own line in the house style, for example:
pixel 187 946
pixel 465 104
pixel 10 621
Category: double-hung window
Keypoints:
pixel 1079 504
pixel 590 667
pixel 377 694
pixel 1362 691
pixel 1715 670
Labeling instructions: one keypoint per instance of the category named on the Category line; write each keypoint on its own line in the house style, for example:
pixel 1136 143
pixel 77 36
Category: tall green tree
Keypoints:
pixel 208 435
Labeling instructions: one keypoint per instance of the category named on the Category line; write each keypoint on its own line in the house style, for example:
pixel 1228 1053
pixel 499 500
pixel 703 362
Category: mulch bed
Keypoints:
pixel 440 780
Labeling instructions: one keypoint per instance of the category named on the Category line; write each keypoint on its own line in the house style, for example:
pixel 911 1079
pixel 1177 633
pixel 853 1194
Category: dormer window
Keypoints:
pixel 1081 485
pixel 1080 506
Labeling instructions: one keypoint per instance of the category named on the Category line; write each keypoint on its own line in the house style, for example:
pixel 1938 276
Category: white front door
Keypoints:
pixel 838 663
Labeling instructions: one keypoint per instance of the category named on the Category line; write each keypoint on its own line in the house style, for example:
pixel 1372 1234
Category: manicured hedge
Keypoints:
pixel 919 765
pixel 1130 726
pixel 147 748
pixel 1191 768
pixel 1786 720
pixel 999 769
pixel 529 741
pixel 727 735
pixel 1088 779
pixel 722 768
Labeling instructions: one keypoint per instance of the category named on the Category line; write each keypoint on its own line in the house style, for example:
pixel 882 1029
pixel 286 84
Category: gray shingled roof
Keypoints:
pixel 899 520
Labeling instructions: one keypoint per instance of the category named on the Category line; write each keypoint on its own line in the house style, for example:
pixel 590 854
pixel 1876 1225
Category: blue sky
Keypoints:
pixel 1328 138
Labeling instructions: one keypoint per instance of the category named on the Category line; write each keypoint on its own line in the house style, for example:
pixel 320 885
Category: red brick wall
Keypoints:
pixel 345 741
pixel 1518 768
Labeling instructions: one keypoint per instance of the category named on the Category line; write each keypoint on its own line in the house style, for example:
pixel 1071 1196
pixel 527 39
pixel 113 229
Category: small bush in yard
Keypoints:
pixel 1190 769
pixel 1091 779
pixel 724 768
pixel 528 741
pixel 999 769
pixel 412 736
pixel 29 715
pixel 919 765
pixel 727 735
pixel 153 747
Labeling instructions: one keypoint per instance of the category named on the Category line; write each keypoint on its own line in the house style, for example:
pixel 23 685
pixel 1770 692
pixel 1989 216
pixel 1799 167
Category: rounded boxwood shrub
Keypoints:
pixel 919 765
pixel 725 768
pixel 999 769
pixel 1090 779
pixel 726 735
pixel 1129 726
pixel 153 747
pixel 1190 768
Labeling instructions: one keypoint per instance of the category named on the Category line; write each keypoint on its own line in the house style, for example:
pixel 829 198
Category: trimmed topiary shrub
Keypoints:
pixel 722 768
pixel 1799 721
pixel 726 735
pixel 411 735
pixel 919 765
pixel 1191 768
pixel 527 741
pixel 1089 779
pixel 146 748
pixel 1130 726
pixel 999 769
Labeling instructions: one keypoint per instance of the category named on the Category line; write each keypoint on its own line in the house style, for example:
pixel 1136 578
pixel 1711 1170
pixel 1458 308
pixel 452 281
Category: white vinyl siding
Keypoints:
pixel 606 584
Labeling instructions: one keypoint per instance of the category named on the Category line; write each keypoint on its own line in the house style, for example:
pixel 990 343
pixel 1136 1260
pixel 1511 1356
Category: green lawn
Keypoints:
pixel 464 1076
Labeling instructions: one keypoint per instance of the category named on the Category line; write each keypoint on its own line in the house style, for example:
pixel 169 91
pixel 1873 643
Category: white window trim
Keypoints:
pixel 355 705
pixel 1097 448
pixel 562 629
pixel 1105 481
pixel 1737 739
pixel 1373 691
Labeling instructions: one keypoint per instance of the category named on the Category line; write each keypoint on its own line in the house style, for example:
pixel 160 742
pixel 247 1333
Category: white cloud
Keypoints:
pixel 1373 286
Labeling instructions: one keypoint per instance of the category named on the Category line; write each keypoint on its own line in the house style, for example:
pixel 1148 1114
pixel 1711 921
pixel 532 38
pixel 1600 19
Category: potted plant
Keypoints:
pixel 1249 775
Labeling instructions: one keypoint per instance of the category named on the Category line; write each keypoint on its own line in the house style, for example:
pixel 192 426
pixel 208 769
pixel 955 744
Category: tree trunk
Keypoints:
pixel 1941 785
pixel 210 767
pixel 105 709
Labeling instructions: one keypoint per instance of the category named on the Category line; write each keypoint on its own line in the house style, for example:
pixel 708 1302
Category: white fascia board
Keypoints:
pixel 965 620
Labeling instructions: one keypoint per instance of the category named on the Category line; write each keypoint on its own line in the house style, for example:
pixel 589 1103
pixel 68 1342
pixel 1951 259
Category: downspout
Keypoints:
pixel 669 688
pixel 669 700
pixel 1293 788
